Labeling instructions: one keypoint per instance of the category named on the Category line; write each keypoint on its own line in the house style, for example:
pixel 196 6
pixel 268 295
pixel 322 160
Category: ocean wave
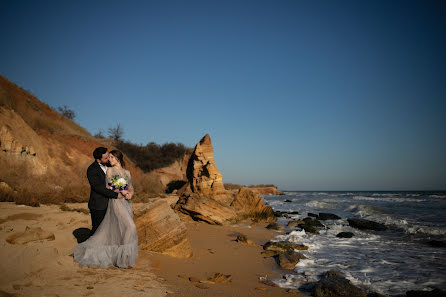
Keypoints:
pixel 319 204
pixel 363 210
pixel 388 199
pixel 437 196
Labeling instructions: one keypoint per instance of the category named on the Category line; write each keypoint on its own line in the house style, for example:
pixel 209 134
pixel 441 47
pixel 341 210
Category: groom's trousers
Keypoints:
pixel 96 218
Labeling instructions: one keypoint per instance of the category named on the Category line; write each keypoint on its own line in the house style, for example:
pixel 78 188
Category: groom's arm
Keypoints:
pixel 97 183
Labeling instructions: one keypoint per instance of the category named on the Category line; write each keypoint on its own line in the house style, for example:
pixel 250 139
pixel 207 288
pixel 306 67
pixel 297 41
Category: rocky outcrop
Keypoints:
pixel 283 246
pixel 334 284
pixel 204 198
pixel 289 259
pixel 205 209
pixel 30 234
pixel 327 216
pixel 10 145
pixel 203 176
pixel 161 230
pixel 345 235
pixel 266 190
pixel 250 204
pixel 366 225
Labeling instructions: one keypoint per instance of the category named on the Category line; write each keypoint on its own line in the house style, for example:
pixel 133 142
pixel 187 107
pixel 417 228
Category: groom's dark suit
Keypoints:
pixel 99 195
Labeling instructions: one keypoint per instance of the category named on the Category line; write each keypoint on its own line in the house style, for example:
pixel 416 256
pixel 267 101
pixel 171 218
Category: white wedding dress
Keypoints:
pixel 115 242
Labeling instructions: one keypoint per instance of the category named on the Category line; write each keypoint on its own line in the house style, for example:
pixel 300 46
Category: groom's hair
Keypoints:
pixel 98 152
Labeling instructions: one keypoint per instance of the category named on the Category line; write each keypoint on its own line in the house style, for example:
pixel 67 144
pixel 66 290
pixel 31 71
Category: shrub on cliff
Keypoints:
pixel 152 156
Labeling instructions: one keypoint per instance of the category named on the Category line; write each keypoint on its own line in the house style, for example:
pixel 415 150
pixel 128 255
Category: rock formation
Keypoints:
pixel 204 197
pixel 250 204
pixel 161 230
pixel 203 176
pixel 205 209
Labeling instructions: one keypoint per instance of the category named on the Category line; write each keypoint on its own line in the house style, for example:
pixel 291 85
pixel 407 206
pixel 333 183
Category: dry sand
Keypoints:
pixel 45 267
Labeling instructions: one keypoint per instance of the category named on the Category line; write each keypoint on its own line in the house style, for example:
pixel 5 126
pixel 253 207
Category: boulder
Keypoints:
pixel 202 174
pixel 161 230
pixel 366 225
pixel 295 223
pixel 289 259
pixel 206 209
pixel 249 204
pixel 30 234
pixel 334 284
pixel 345 235
pixel 283 246
pixel 310 214
pixel 327 216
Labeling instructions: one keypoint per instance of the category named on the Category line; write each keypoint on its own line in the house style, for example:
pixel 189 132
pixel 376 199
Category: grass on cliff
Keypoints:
pixel 38 115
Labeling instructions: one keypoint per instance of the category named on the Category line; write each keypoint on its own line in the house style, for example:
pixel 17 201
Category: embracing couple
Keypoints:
pixel 113 240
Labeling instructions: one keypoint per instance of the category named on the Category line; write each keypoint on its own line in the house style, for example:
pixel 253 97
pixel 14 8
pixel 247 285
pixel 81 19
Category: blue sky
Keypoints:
pixel 308 95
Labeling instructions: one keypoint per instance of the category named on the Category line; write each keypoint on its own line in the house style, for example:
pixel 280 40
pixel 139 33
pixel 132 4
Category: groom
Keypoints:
pixel 99 194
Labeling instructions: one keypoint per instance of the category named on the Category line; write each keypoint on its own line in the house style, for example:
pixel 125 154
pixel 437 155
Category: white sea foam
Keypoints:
pixel 437 196
pixel 387 199
pixel 319 204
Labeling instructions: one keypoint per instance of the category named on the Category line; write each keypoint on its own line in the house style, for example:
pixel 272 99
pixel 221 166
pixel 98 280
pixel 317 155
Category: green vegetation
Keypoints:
pixel 152 156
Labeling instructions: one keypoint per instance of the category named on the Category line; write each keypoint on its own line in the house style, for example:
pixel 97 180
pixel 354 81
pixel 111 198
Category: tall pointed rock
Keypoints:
pixel 202 173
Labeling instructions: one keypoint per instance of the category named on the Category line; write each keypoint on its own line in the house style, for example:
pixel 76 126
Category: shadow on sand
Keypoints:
pixel 81 234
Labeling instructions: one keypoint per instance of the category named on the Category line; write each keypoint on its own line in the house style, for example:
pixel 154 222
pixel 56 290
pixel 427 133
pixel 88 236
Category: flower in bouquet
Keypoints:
pixel 118 183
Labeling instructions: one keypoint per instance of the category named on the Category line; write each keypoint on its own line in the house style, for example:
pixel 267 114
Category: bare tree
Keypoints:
pixel 66 112
pixel 116 132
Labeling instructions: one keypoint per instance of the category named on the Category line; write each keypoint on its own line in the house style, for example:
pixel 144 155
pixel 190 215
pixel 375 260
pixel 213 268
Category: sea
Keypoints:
pixel 389 262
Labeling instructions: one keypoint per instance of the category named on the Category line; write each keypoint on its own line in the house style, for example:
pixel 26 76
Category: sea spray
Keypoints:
pixel 389 262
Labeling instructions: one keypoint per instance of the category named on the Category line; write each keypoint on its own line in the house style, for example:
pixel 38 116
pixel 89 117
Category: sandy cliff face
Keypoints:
pixel 47 155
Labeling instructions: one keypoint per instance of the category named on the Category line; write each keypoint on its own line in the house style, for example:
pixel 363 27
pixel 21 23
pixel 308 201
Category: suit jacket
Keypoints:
pixel 99 194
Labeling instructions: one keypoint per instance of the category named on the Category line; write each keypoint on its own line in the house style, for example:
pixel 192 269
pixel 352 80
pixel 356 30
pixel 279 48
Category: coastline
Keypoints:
pixel 45 267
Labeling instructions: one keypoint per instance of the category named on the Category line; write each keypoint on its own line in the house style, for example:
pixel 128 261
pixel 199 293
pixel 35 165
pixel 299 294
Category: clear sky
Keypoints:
pixel 308 95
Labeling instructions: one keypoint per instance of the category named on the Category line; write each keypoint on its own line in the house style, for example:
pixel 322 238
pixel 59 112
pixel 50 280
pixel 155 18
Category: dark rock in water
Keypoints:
pixel 310 214
pixel 374 294
pixel 279 214
pixel 334 284
pixel 314 223
pixel 345 235
pixel 275 226
pixel 288 201
pixel 328 216
pixel 309 228
pixel 289 259
pixel 332 274
pixel 293 212
pixel 366 224
pixel 283 246
pixel 433 293
pixel 295 223
pixel 437 243
pixel 310 225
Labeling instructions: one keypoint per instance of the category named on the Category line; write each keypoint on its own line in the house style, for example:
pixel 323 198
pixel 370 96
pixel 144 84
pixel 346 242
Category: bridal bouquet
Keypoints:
pixel 118 183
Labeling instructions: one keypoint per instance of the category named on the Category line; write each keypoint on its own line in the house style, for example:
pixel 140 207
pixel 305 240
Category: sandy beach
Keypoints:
pixel 46 268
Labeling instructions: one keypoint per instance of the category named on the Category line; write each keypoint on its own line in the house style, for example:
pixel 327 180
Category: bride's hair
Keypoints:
pixel 118 155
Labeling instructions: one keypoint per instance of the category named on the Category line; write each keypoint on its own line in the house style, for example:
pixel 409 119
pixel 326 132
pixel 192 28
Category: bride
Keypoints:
pixel 115 242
